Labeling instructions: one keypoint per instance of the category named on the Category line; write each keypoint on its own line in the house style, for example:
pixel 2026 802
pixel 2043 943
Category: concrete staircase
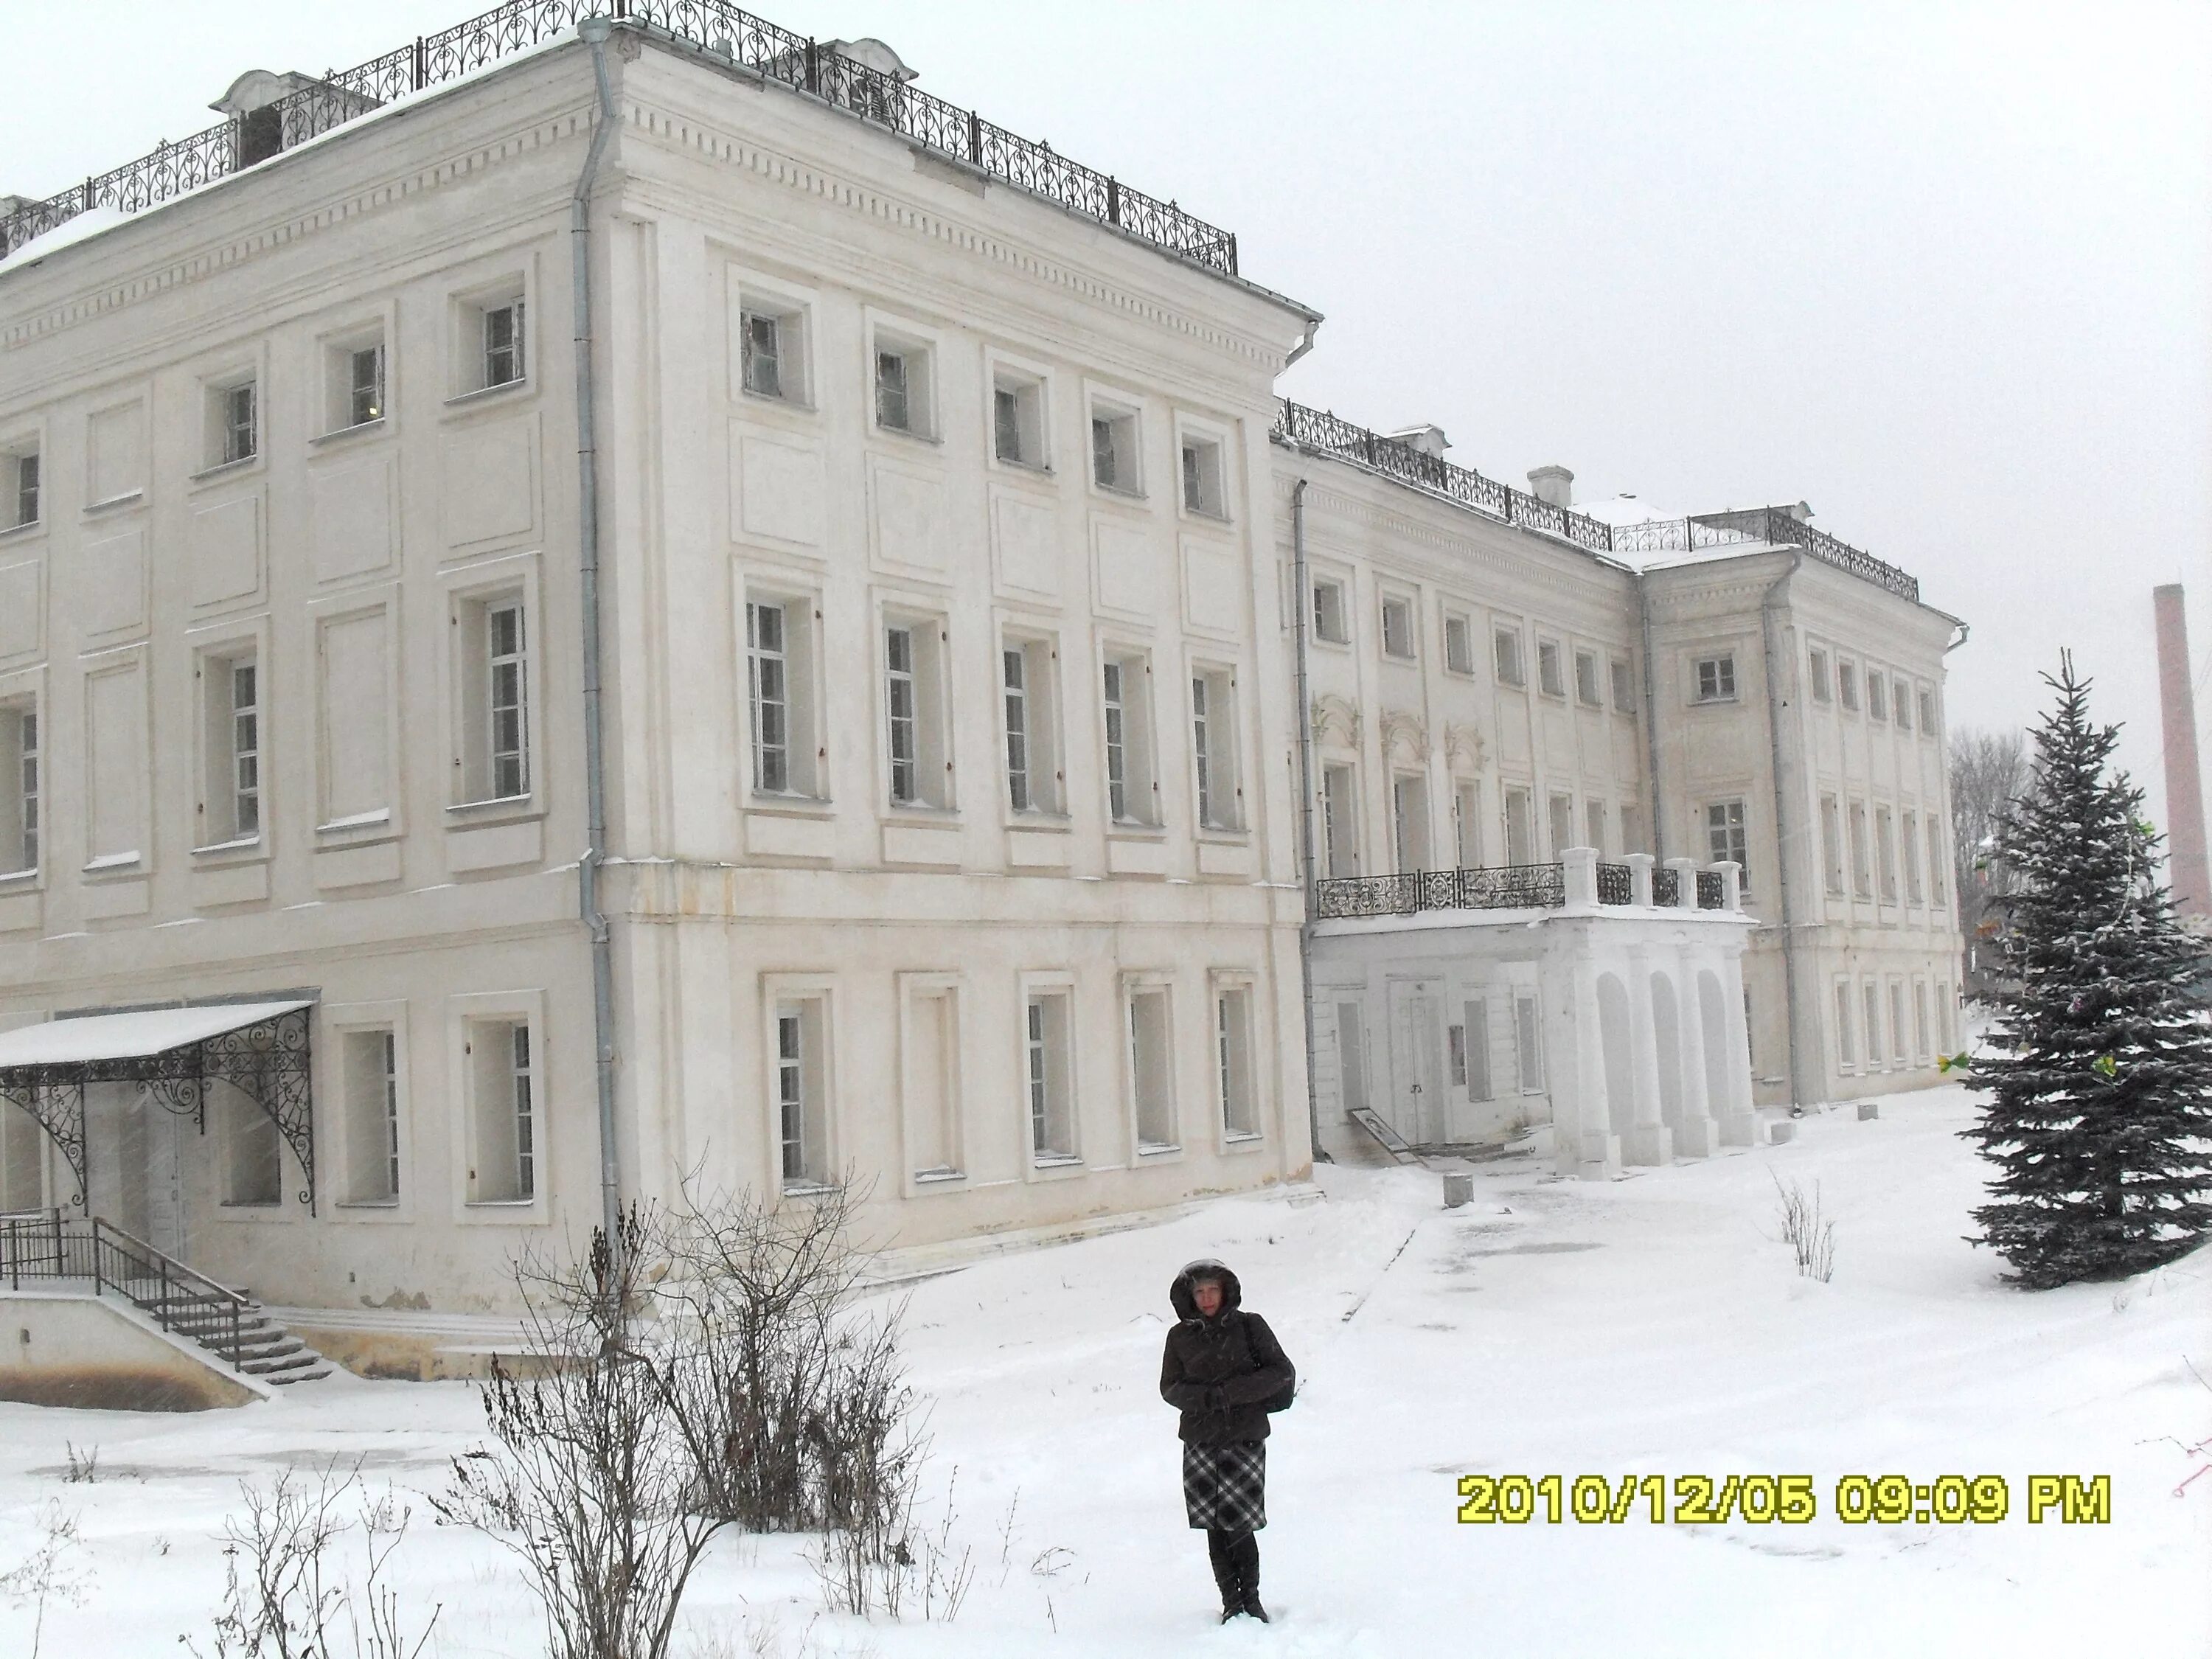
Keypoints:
pixel 265 1348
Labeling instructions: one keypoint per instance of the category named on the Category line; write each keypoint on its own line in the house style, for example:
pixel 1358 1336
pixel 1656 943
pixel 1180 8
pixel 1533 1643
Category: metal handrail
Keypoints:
pixel 115 1259
pixel 713 26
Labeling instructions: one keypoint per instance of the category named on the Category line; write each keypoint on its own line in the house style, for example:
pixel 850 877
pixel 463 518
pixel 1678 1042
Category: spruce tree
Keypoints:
pixel 2100 1116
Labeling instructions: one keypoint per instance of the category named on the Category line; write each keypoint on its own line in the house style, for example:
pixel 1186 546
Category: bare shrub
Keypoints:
pixel 49 1573
pixel 1809 1234
pixel 83 1466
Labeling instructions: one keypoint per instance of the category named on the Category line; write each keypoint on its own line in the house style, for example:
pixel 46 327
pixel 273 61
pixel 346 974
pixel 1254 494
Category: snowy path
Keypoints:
pixel 1650 1326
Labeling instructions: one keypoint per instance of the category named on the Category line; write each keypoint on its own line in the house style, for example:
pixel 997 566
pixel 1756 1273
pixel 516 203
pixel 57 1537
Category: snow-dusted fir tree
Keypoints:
pixel 2099 1116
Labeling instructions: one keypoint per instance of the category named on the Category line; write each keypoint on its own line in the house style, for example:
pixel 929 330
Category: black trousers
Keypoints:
pixel 1236 1558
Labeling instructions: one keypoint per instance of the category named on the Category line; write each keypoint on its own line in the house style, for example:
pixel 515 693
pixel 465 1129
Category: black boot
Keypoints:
pixel 1222 1553
pixel 1246 1554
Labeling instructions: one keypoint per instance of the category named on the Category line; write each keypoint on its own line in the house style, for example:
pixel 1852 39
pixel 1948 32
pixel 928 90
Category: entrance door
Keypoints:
pixel 132 1164
pixel 1416 1106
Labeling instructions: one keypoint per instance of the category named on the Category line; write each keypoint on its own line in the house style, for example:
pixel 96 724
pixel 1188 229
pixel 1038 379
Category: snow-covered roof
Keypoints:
pixel 137 1035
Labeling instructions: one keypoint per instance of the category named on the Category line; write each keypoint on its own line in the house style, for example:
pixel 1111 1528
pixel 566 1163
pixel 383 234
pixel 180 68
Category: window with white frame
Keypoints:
pixel 1028 686
pixel 1832 843
pixel 233 423
pixel 1897 1028
pixel 1475 1040
pixel 1409 821
pixel 1204 489
pixel 1528 1043
pixel 1624 686
pixel 1927 712
pixel 1820 675
pixel 503 1091
pixel 905 396
pixel 353 379
pixel 1352 1057
pixel 1938 860
pixel 1017 435
pixel 917 726
pixel 19 484
pixel 491 344
pixel 1594 826
pixel 1331 618
pixel 1520 827
pixel 1715 679
pixel 929 1078
pixel 1877 695
pixel 1048 1074
pixel 1847 684
pixel 495 702
pixel 1588 692
pixel 1870 1004
pixel 230 694
pixel 251 1152
pixel 1561 806
pixel 1339 815
pixel 1152 1066
pixel 20 787
pixel 1885 850
pixel 781 702
pixel 1232 1029
pixel 1132 791
pixel 1909 844
pixel 370 1079
pixel 1397 627
pixel 802 1100
pixel 1725 836
pixel 1550 669
pixel 1861 853
pixel 1458 645
pixel 772 347
pixel 1213 749
pixel 1505 656
pixel 1114 464
pixel 1466 823
pixel 1847 1049
pixel 1921 1045
pixel 1904 696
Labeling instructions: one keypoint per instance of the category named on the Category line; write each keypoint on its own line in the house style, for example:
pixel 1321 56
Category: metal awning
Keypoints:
pixel 261 1049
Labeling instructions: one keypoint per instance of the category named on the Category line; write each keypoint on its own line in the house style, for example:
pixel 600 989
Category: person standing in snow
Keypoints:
pixel 1224 1370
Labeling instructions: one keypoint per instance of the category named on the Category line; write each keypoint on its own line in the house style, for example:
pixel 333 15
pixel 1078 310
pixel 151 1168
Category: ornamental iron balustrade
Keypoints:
pixel 1300 428
pixel 1509 887
pixel 41 1245
pixel 1666 887
pixel 1712 890
pixel 269 1061
pixel 1615 885
pixel 721 31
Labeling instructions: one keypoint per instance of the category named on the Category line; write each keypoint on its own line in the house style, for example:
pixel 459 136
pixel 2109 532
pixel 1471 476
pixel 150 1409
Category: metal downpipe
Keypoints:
pixel 1305 811
pixel 593 31
pixel 1791 1022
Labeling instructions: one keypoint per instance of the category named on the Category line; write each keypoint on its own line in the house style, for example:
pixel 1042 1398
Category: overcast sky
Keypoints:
pixel 1941 270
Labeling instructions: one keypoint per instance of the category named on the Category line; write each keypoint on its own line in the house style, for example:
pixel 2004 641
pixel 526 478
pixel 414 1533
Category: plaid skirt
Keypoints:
pixel 1226 1487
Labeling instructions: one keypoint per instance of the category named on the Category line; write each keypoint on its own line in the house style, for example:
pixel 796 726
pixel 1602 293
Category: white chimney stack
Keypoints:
pixel 1429 440
pixel 1553 485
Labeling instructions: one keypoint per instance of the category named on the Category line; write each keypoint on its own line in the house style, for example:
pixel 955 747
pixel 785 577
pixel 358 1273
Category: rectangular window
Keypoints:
pixel 365 384
pixel 1870 1002
pixel 233 425
pixel 1505 652
pixel 245 779
pixel 504 360
pixel 1563 824
pixel 1519 828
pixel 19 788
pixel 904 705
pixel 1114 449
pixel 1528 1043
pixel 1458 645
pixel 802 1100
pixel 1927 712
pixel 929 1078
pixel 1904 707
pixel 1398 628
pixel 894 401
pixel 1725 836
pixel 1232 1029
pixel 1847 1050
pixel 916 737
pixel 1897 1053
pixel 1877 694
pixel 1028 686
pixel 1885 846
pixel 1588 692
pixel 1921 1050
pixel 1052 1127
pixel 1477 1030
pixel 1339 812
pixel 1352 1057
pixel 1909 842
pixel 503 1088
pixel 905 396
pixel 769 684
pixel 1203 491
pixel 1213 749
pixel 507 706
pixel 1716 678
pixel 1409 822
pixel 772 347
pixel 230 799
pixel 371 1066
pixel 1594 826
pixel 1624 686
pixel 1330 617
pixel 1823 682
pixel 1132 789
pixel 1861 853
pixel 1017 419
pixel 761 353
pixel 1847 685
pixel 1938 860
pixel 1455 1054
pixel 1467 824
pixel 1151 1068
pixel 1832 842
pixel 19 478
pixel 1551 671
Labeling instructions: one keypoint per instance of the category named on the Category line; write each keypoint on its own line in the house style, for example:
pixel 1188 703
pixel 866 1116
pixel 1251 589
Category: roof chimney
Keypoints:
pixel 1429 440
pixel 1553 485
pixel 13 205
pixel 875 55
pixel 1802 512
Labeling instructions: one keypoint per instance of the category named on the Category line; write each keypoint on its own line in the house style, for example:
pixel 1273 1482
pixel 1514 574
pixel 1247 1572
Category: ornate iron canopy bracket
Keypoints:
pixel 57 1105
pixel 271 1063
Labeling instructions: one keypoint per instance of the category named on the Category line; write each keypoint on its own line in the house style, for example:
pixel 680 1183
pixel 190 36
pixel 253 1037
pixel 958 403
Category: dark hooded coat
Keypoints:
pixel 1220 1372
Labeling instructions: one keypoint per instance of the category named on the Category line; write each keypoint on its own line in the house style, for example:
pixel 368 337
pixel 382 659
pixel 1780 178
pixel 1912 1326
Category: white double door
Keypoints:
pixel 1417 1106
pixel 134 1158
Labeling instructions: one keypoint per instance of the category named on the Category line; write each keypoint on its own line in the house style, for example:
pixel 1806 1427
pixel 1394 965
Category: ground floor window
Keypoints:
pixel 1528 1042
pixel 502 1112
pixel 801 1092
pixel 1871 1000
pixel 1151 1067
pixel 1233 1040
pixel 1847 1052
pixel 369 1076
pixel 1045 1023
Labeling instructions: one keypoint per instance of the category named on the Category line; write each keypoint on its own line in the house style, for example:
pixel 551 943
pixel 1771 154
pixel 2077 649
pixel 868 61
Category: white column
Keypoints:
pixel 1580 864
pixel 1596 1148
pixel 1685 883
pixel 1739 1121
pixel 1649 1139
pixel 1696 1135
pixel 1639 879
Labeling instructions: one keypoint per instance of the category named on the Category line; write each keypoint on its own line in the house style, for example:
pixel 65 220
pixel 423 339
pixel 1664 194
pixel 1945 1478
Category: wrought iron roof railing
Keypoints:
pixel 713 25
pixel 1499 887
pixel 1301 428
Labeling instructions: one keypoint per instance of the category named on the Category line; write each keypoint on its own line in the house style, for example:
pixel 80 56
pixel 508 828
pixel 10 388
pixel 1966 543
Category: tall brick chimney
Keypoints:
pixel 2184 789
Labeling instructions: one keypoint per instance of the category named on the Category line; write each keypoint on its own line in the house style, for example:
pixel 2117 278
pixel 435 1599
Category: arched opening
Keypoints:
pixel 1613 1036
pixel 1666 1032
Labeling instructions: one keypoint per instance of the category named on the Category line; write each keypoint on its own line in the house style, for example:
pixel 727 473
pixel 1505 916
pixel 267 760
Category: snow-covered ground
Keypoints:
pixel 1654 1325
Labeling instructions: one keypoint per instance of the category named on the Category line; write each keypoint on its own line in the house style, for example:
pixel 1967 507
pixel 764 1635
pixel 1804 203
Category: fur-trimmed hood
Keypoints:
pixel 1185 1303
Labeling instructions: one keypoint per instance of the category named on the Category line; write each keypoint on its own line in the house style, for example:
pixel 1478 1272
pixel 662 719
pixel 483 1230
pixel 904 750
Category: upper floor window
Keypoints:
pixel 1927 712
pixel 1458 645
pixel 1877 691
pixel 1202 488
pixel 503 360
pixel 1587 689
pixel 19 788
pixel 762 354
pixel 1131 788
pixel 1725 836
pixel 1822 680
pixel 364 384
pixel 1033 776
pixel 1861 853
pixel 771 346
pixel 1624 686
pixel 1339 819
pixel 491 344
pixel 1505 653
pixel 1397 628
pixel 233 424
pixel 1330 617
pixel 1018 418
pixel 787 749
pixel 1716 678
pixel 1214 748
pixel 231 803
pixel 494 742
pixel 1832 842
pixel 1114 449
pixel 1904 707
pixel 19 486
pixel 916 737
pixel 1551 671
pixel 1847 684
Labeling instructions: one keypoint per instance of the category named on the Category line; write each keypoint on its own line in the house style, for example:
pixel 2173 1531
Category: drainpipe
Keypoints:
pixel 1651 725
pixel 1305 809
pixel 593 31
pixel 1766 604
